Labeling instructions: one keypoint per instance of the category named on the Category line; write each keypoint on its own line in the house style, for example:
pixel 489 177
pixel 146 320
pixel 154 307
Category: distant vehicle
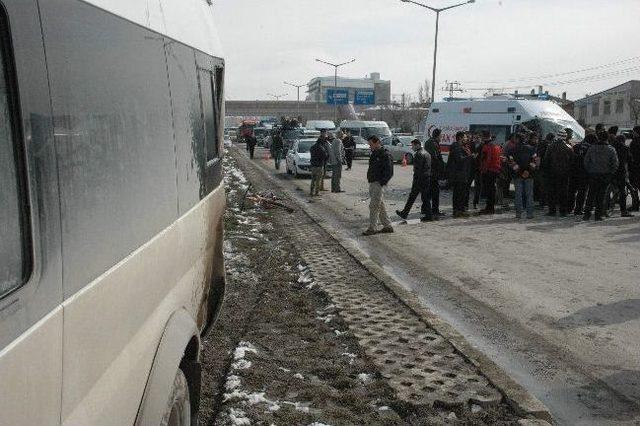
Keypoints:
pixel 321 125
pixel 362 130
pixel 310 133
pixel 298 159
pixel 399 147
pixel 111 212
pixel 500 116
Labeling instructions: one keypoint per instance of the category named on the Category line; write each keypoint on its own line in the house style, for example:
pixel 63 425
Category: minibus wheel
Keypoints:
pixel 178 411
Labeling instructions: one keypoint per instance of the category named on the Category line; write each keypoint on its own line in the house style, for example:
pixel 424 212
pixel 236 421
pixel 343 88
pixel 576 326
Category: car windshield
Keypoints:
pixel 406 140
pixel 555 125
pixel 367 132
pixel 304 146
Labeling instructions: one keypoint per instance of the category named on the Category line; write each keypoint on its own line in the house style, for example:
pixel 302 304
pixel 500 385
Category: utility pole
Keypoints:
pixel 451 87
pixel 297 86
pixel 435 47
pixel 335 85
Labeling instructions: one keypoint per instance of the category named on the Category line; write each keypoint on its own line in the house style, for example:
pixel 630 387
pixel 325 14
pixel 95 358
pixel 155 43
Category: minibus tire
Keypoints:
pixel 178 412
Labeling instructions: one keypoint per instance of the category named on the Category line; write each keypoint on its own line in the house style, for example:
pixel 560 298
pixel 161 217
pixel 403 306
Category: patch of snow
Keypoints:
pixel 286 370
pixel 242 349
pixel 299 406
pixel 232 383
pixel 318 424
pixel 475 408
pixel 364 378
pixel 384 408
pixel 298 376
pixel 238 417
pixel 339 333
pixel 242 364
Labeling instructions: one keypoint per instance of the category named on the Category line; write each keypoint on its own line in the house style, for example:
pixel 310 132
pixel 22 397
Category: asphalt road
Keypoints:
pixel 555 302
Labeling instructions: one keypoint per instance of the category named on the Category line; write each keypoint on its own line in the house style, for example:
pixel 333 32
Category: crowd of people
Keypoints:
pixel 563 176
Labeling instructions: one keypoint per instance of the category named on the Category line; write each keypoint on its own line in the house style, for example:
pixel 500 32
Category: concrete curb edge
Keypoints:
pixel 515 394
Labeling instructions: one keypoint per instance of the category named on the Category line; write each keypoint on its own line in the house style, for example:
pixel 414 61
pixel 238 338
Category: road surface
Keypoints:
pixel 555 302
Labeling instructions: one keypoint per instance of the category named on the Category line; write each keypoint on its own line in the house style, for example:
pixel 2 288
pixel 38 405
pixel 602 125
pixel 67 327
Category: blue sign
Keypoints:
pixel 337 96
pixel 365 97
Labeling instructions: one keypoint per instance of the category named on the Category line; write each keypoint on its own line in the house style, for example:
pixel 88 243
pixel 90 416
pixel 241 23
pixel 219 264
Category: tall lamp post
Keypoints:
pixel 335 80
pixel 435 48
pixel 297 86
pixel 277 97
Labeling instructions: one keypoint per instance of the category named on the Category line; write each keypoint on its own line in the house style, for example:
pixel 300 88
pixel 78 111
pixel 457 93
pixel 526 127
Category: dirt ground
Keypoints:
pixel 279 353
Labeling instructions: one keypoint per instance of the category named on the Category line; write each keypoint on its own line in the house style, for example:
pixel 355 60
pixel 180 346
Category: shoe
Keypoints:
pixel 563 215
pixel 402 214
pixel 386 230
pixel 518 215
pixel 369 232
pixel 626 214
pixel 439 214
pixel 340 191
pixel 426 219
pixel 530 217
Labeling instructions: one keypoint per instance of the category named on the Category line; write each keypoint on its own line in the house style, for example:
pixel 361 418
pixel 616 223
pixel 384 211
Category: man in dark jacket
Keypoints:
pixel 277 148
pixel 557 166
pixel 634 168
pixel 420 184
pixel 379 174
pixel 432 146
pixel 349 144
pixel 251 142
pixel 318 160
pixel 601 162
pixel 521 160
pixel 621 176
pixel 541 182
pixel 458 172
pixel 326 144
pixel 579 179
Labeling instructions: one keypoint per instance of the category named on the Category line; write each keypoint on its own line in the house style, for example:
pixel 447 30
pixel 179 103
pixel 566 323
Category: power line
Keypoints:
pixel 595 77
pixel 515 80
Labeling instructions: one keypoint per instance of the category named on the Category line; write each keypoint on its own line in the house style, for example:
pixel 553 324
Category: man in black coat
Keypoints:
pixel 458 172
pixel 621 176
pixel 557 164
pixel 379 174
pixel 421 182
pixel 349 144
pixel 432 146
pixel 251 142
pixel 634 168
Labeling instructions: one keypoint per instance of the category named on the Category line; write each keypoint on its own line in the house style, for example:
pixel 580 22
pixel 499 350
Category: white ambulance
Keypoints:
pixel 500 116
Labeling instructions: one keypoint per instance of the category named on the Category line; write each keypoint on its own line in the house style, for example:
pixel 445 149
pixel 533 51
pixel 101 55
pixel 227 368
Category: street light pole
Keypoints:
pixel 297 86
pixel 435 47
pixel 335 83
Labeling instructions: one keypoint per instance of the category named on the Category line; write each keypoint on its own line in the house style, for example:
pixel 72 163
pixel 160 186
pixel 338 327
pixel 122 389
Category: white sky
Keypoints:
pixel 269 41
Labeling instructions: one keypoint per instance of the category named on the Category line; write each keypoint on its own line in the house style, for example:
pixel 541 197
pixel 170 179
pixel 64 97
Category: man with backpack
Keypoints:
pixel 379 174
pixel 490 167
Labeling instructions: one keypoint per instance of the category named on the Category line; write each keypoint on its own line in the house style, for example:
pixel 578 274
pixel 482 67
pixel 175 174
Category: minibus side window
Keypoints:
pixel 15 259
pixel 209 113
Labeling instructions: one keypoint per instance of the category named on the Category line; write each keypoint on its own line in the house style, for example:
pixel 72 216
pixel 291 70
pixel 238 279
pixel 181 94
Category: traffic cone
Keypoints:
pixel 404 161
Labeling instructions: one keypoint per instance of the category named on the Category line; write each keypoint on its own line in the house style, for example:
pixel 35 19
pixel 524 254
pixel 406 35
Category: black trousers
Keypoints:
pixel 435 195
pixel 597 193
pixel 558 189
pixel 489 186
pixel 348 154
pixel 621 183
pixel 424 189
pixel 477 188
pixel 460 190
pixel 578 186
pixel 251 149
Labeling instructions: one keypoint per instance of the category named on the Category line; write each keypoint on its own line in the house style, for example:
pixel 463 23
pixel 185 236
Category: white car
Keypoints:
pixel 298 159
pixel 400 147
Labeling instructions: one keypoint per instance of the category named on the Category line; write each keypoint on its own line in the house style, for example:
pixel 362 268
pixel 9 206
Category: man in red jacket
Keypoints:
pixel 490 167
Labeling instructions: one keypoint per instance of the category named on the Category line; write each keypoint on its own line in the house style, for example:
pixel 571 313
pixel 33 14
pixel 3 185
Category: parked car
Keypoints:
pixel 298 159
pixel 399 147
pixel 362 130
pixel 321 125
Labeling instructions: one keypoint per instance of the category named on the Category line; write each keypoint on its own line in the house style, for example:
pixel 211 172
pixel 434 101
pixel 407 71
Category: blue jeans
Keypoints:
pixel 525 185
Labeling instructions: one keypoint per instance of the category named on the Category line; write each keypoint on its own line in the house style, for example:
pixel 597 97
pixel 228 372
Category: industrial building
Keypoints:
pixel 317 87
pixel 618 106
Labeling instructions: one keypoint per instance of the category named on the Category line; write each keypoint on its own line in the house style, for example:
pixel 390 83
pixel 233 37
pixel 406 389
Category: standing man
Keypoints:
pixel 557 165
pixel 326 145
pixel 521 159
pixel 634 168
pixel 349 148
pixel 432 146
pixel 379 174
pixel 490 167
pixel 541 182
pixel 277 147
pixel 601 162
pixel 621 176
pixel 336 158
pixel 579 180
pixel 476 146
pixel 421 183
pixel 458 172
pixel 318 158
pixel 251 143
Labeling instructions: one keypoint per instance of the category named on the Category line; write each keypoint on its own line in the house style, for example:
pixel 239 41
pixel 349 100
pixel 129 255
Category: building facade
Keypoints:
pixel 317 87
pixel 303 110
pixel 618 106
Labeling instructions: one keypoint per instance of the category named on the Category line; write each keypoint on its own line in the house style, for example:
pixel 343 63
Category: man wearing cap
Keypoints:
pixel 421 183
pixel 379 174
pixel 557 166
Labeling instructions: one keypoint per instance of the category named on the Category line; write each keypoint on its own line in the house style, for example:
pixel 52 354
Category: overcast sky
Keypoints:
pixel 269 41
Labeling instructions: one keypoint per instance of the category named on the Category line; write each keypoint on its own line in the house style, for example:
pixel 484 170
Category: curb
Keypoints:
pixel 515 395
